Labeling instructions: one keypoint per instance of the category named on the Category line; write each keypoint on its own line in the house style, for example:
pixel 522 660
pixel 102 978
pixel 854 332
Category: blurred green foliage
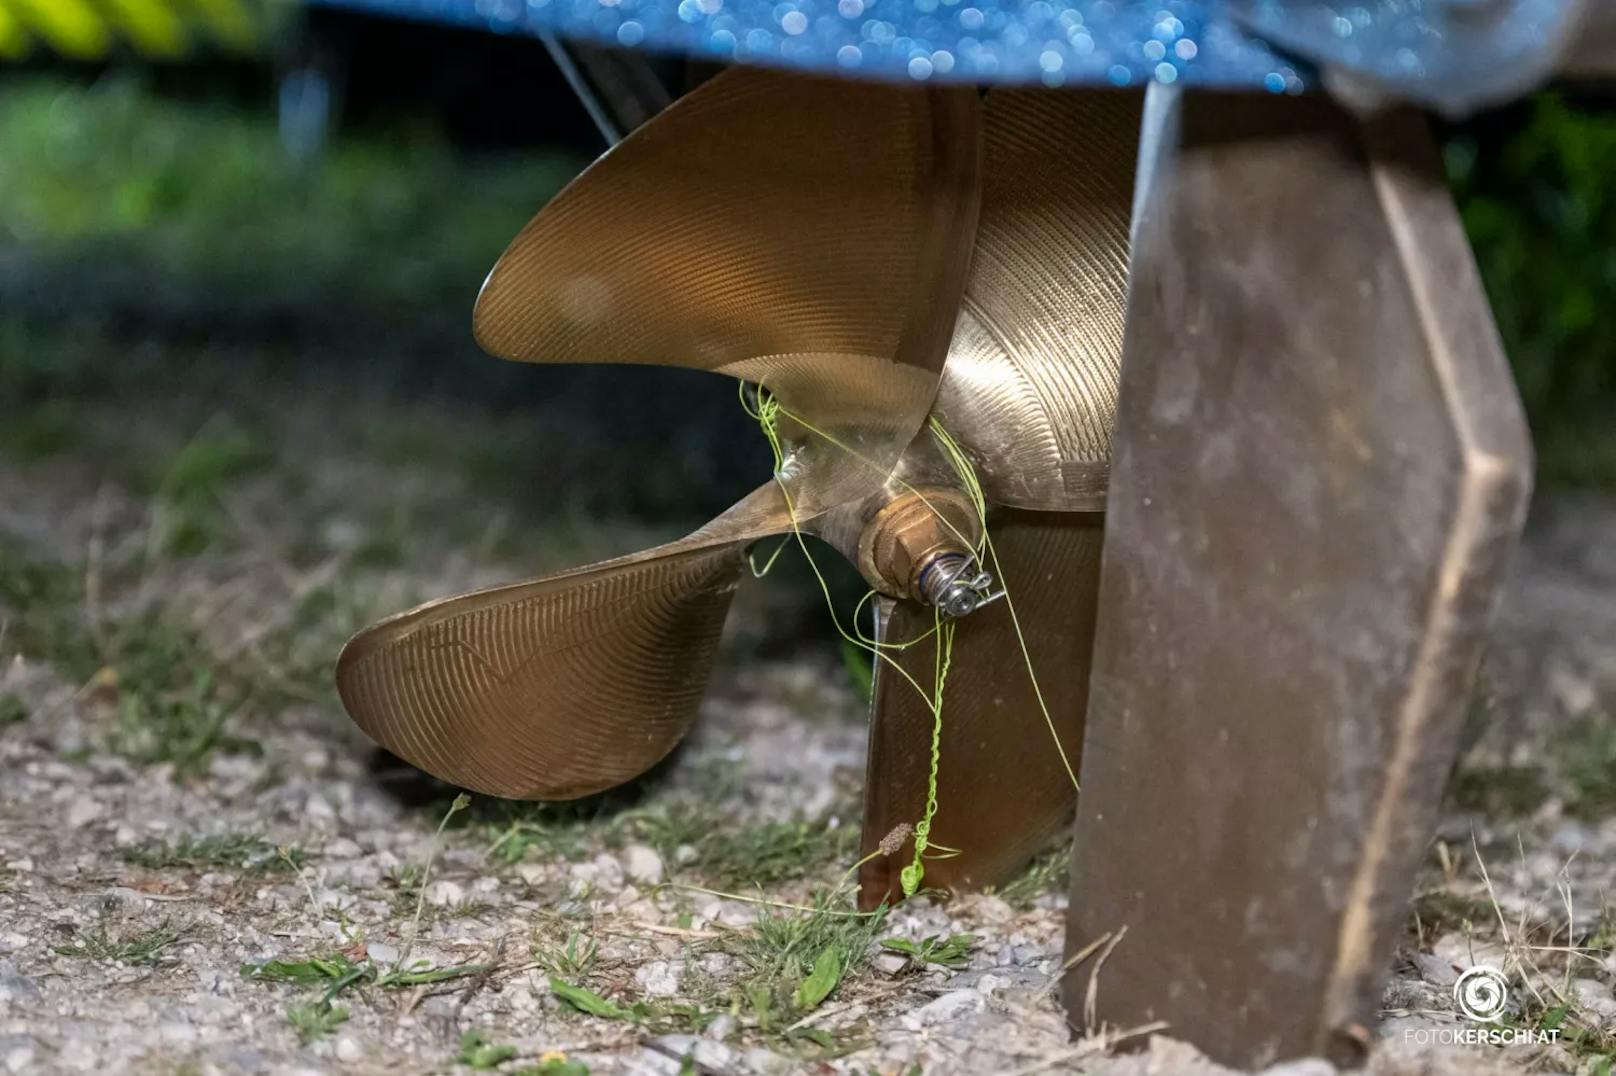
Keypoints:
pixel 1537 188
pixel 206 196
pixel 208 192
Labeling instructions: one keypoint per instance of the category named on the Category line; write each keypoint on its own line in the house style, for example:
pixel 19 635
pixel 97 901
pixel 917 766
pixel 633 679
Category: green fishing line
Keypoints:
pixel 766 409
pixel 911 876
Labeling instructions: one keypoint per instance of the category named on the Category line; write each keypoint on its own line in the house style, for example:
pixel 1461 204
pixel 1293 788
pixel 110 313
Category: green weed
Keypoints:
pixel 407 882
pixel 797 958
pixel 1583 1035
pixel 47 428
pixel 668 828
pixel 554 830
pixel 335 973
pixel 344 972
pixel 312 969
pixel 657 1017
pixel 572 960
pixel 951 952
pixel 141 948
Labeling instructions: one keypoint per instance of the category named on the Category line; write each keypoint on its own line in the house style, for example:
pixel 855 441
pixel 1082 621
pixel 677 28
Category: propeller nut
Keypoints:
pixel 912 546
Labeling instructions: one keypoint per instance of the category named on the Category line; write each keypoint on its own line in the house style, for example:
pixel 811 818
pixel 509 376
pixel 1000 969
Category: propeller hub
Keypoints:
pixel 921 546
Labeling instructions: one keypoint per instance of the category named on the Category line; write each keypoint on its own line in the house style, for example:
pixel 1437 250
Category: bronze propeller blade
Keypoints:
pixel 1030 387
pixel 1002 788
pixel 812 236
pixel 561 686
pixel 809 235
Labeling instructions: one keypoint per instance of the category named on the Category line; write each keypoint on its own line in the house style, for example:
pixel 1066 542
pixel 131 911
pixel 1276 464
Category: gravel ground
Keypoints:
pixel 182 801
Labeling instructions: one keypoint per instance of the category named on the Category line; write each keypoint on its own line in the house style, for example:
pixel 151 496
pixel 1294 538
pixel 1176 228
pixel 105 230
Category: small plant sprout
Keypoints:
pixel 478 1053
pixel 572 960
pixel 951 952
pixel 137 949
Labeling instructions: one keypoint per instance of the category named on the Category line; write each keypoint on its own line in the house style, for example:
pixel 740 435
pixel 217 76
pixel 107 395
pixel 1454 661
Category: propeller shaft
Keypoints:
pixel 922 545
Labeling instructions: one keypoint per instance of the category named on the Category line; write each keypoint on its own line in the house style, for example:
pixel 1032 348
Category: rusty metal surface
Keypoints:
pixel 1320 469
pixel 1002 789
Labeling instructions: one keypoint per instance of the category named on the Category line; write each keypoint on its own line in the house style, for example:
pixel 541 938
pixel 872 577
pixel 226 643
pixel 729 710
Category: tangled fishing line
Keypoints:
pixel 765 408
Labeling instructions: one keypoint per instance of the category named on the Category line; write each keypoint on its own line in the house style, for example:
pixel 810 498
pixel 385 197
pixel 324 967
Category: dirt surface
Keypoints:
pixel 182 800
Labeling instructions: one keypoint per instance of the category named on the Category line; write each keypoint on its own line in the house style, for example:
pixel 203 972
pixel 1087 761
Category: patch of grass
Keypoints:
pixel 1583 1035
pixel 335 967
pixel 335 973
pixel 731 853
pixel 797 958
pixel 772 852
pixel 229 851
pixel 191 484
pixel 570 961
pixel 172 701
pixel 1576 457
pixel 1442 911
pixel 201 471
pixel 136 949
pixel 380 549
pixel 668 828
pixel 951 952
pixel 554 830
pixel 44 603
pixel 39 366
pixel 42 376
pixel 158 722
pixel 1048 873
pixel 338 968
pixel 406 884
